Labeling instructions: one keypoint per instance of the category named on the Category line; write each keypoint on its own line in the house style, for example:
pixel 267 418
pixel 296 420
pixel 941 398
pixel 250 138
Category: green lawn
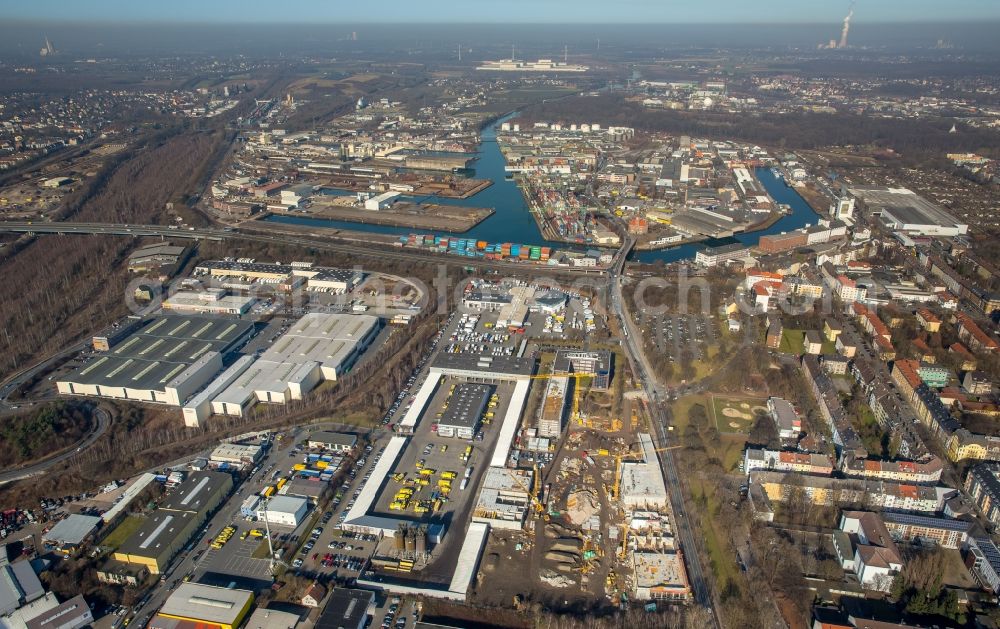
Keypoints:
pixel 122 532
pixel 723 565
pixel 731 445
pixel 792 342
pixel 732 423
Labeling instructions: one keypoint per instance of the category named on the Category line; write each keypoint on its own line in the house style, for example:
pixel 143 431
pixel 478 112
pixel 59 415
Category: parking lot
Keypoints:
pixel 236 556
pixel 675 333
pixel 427 451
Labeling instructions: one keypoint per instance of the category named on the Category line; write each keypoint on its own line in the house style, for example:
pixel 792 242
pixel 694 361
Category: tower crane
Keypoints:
pixel 577 377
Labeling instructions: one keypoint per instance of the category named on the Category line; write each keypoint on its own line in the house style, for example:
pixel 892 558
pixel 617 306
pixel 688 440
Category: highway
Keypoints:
pixel 656 396
pixel 273 235
pixel 103 422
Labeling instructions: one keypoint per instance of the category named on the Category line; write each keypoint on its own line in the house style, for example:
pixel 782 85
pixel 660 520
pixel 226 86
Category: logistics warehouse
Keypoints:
pixel 317 347
pixel 164 361
pixel 158 540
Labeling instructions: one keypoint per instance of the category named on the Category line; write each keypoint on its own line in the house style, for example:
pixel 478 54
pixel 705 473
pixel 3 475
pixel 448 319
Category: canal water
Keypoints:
pixel 801 215
pixel 512 220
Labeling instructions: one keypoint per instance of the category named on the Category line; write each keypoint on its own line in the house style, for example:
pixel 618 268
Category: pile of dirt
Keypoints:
pixel 567 545
pixel 561 557
pixel 581 505
pixel 553 578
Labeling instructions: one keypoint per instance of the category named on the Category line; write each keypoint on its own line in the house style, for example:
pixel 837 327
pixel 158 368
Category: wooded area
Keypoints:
pixel 43 432
pixel 60 288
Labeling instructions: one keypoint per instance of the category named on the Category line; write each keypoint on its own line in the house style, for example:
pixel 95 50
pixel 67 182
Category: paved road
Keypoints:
pixel 16 380
pixel 198 560
pixel 103 421
pixel 644 373
pixel 274 235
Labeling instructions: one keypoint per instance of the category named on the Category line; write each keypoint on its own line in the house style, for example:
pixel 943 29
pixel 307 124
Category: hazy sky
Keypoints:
pixel 558 11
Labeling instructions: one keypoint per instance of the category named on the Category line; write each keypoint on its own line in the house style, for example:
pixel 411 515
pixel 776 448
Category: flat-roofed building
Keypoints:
pixel 72 614
pixel 318 347
pixel 263 618
pixel 660 576
pixel 236 454
pixel 166 361
pixel 346 609
pixel 504 499
pixel 483 368
pixel 283 275
pixel 465 411
pixel 714 256
pixel 982 557
pixel 333 340
pixel 159 539
pixel 204 606
pixel 515 313
pixel 597 363
pixel 284 510
pixel 200 406
pixel 115 333
pixel 903 210
pixel 333 441
pixel 642 485
pixel 200 494
pixel 787 421
pixel 553 407
pixel 313 490
pixel 208 302
pixel 71 533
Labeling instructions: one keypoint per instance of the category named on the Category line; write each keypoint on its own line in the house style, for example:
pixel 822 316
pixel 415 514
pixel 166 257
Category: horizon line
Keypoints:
pixel 8 21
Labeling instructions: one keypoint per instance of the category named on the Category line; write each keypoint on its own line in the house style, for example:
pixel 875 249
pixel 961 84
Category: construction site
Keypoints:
pixel 527 456
pixel 597 524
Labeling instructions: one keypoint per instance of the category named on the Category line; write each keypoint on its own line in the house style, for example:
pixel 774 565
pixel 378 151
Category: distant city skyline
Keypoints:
pixel 521 11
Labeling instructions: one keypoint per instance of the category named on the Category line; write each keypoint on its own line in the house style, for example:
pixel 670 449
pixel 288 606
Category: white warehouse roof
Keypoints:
pixel 329 339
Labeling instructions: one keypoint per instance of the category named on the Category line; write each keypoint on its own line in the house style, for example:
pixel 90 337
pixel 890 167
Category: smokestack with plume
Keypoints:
pixel 847 28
